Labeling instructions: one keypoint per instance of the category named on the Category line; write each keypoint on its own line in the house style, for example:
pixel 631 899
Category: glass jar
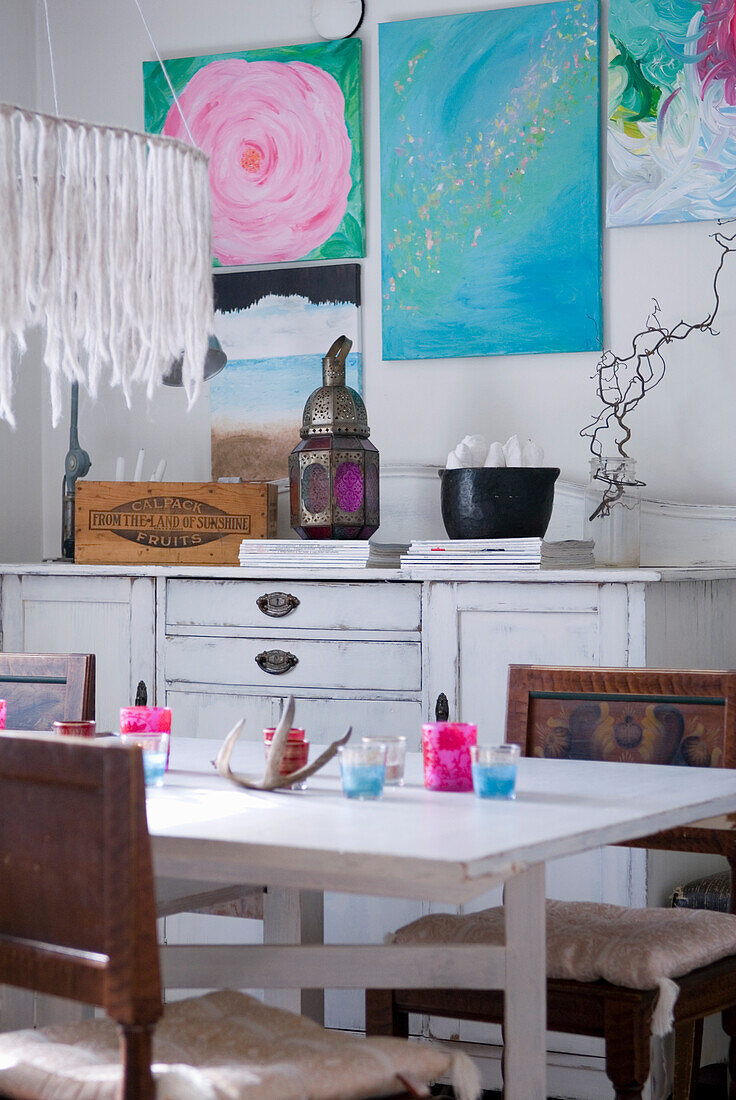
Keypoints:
pixel 612 511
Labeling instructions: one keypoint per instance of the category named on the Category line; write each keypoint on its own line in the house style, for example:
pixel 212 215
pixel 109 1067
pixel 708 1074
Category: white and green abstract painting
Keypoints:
pixel 672 111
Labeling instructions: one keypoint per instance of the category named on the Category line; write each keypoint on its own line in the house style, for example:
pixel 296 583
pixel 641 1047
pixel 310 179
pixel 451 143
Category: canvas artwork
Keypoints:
pixel 490 192
pixel 276 327
pixel 646 731
pixel 672 112
pixel 283 130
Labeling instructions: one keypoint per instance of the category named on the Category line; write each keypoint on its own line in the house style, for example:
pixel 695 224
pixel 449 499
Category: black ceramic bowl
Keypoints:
pixel 498 502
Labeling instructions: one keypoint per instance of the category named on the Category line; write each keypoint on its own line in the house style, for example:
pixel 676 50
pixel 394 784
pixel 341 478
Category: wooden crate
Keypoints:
pixel 177 523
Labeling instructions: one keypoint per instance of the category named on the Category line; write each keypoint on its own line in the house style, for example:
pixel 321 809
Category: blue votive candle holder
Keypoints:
pixel 155 748
pixel 363 770
pixel 494 770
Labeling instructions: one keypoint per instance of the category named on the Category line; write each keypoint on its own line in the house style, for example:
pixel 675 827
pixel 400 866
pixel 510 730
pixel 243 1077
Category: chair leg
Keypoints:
pixel 382 1017
pixel 135 1049
pixel 728 1019
pixel 627 1036
pixel 688 1044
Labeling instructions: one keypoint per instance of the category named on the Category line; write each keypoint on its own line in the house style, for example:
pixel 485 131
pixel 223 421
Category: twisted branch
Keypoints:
pixel 623 381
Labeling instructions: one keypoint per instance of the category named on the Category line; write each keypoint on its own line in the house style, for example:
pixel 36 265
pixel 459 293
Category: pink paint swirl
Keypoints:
pixel 717 47
pixel 279 155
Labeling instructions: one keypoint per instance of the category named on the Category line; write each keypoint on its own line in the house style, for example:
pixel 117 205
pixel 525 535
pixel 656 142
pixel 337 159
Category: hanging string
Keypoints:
pixel 164 71
pixel 51 57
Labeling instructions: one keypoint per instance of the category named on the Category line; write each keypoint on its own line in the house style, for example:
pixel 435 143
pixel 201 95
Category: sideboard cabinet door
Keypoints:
pixel 472 633
pixel 112 617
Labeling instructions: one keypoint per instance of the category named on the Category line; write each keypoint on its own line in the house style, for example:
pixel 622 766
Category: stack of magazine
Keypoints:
pixel 327 553
pixel 500 554
pixel 480 553
pixel 570 554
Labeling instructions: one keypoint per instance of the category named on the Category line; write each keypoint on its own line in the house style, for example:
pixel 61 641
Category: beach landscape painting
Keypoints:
pixel 671 112
pixel 282 127
pixel 275 328
pixel 490 188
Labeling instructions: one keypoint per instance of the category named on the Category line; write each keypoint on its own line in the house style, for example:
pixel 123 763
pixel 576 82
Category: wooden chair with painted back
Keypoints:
pixel 78 920
pixel 43 688
pixel 642 716
pixel 78 917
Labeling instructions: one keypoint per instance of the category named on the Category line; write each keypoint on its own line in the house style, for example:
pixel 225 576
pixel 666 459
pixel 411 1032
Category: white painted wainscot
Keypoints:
pixel 375 648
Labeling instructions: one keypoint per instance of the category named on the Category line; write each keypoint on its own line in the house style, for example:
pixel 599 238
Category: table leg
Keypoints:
pixel 525 1003
pixel 294 916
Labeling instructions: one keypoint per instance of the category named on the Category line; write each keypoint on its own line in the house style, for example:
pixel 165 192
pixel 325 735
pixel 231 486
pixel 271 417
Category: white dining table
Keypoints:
pixel 413 843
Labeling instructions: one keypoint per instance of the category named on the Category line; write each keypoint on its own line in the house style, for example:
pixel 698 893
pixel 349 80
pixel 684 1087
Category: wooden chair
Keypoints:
pixel 43 688
pixel 78 918
pixel 556 712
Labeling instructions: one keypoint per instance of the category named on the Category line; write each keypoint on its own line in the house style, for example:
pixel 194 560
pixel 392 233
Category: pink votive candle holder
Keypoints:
pixel 3 713
pixel 147 720
pixel 446 751
pixel 75 729
pixel 296 752
pixel 296 733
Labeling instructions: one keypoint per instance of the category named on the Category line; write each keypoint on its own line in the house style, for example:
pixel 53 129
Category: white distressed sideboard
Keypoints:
pixel 374 649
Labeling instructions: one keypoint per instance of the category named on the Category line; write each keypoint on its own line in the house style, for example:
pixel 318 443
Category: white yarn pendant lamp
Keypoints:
pixel 106 240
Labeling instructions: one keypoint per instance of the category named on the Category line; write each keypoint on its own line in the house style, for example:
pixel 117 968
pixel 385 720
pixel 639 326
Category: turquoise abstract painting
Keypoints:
pixel 490 182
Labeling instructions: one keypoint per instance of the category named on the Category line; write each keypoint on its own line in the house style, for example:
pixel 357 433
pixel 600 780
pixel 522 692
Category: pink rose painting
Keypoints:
pixel 282 130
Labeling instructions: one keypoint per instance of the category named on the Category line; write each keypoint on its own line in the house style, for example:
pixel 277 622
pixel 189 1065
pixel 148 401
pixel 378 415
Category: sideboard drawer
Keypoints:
pixel 214 712
pixel 390 666
pixel 288 604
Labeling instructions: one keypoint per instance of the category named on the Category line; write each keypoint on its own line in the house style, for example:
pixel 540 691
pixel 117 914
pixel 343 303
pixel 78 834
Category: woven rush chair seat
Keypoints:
pixel 221 1044
pixel 78 921
pixel 612 989
pixel 711 892
pixel 641 949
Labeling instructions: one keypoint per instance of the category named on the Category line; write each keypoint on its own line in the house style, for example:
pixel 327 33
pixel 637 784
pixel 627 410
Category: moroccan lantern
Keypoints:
pixel 333 472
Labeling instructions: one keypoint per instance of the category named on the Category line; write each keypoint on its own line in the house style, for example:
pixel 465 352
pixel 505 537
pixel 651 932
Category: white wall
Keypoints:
pixel 20 450
pixel 683 437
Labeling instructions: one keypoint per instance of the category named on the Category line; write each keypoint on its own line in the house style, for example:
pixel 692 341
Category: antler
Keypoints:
pixel 272 778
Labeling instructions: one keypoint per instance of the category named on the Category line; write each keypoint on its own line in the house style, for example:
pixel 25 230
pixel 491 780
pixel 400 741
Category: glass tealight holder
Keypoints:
pixel 155 746
pixel 494 770
pixel 363 769
pixel 75 729
pixel 446 748
pixel 395 758
pixel 145 719
pixel 296 753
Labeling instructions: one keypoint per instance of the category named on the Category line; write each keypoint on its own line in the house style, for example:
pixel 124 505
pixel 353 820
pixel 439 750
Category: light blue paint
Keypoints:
pixel 467 269
pixel 259 390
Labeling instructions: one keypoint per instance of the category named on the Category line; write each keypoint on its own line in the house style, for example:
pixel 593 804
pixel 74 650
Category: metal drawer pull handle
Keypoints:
pixel 277 604
pixel 276 661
